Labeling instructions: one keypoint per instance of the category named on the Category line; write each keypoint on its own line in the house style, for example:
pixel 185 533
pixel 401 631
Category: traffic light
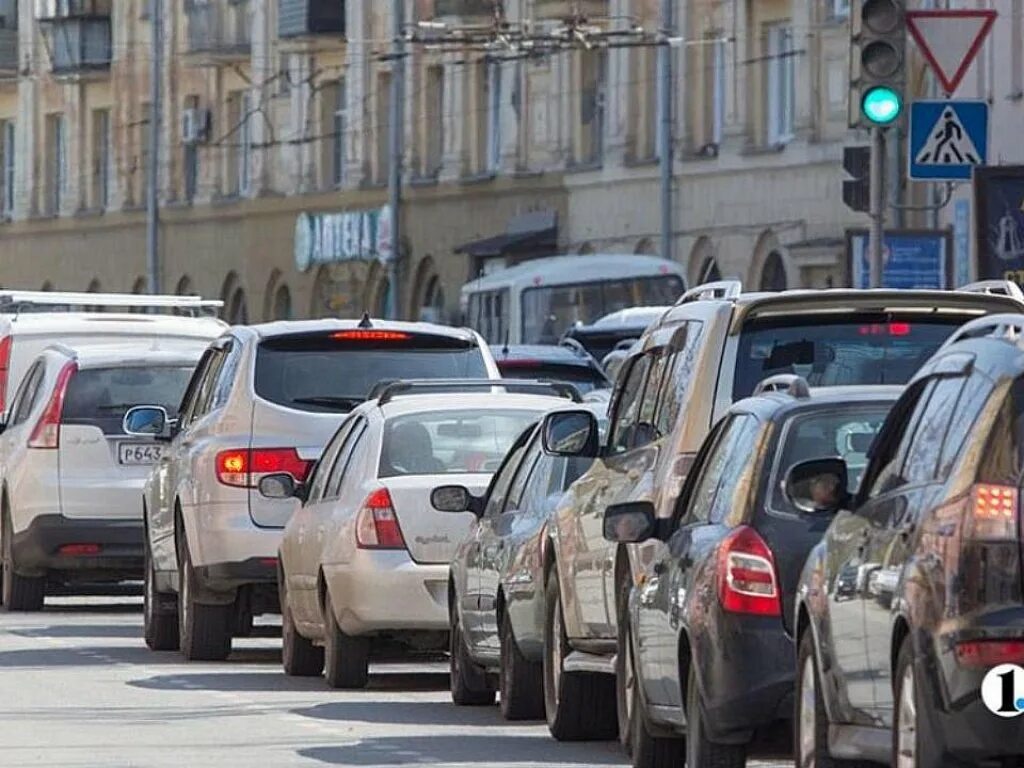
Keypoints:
pixel 878 68
pixel 857 192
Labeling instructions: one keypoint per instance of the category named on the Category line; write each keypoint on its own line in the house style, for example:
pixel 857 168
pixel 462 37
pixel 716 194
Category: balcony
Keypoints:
pixel 77 36
pixel 219 31
pixel 310 18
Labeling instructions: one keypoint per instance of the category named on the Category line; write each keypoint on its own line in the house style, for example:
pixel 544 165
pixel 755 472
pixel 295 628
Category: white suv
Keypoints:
pixel 71 477
pixel 264 400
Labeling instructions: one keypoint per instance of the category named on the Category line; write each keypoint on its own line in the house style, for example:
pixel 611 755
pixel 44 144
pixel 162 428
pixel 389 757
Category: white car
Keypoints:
pixel 364 561
pixel 71 478
pixel 264 400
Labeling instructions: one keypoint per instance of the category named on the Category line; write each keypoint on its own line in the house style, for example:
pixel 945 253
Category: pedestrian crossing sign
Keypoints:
pixel 947 139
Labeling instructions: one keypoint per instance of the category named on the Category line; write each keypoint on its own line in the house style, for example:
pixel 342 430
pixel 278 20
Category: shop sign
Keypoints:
pixel 329 238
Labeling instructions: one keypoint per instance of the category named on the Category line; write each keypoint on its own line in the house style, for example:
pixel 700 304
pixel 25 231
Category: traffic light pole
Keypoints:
pixel 877 206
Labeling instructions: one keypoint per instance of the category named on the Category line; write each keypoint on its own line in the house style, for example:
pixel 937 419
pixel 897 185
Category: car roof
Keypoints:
pixel 461 401
pixel 543 352
pixel 631 317
pixel 132 355
pixel 777 405
pixel 288 327
pixel 109 323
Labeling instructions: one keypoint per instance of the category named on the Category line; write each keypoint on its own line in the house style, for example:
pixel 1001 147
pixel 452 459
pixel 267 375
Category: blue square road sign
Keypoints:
pixel 948 138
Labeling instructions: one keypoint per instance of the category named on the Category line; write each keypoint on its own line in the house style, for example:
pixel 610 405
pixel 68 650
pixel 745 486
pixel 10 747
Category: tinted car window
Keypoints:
pixel 629 405
pixel 322 470
pixel 921 461
pixel 327 372
pixel 860 348
pixel 524 477
pixel 26 397
pixel 677 382
pixel 499 487
pixel 584 378
pixel 1002 456
pixel 710 473
pixel 450 442
pixel 972 399
pixel 352 445
pixel 740 454
pixel 100 396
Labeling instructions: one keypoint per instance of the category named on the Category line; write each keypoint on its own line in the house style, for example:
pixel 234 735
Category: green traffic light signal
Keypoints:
pixel 881 105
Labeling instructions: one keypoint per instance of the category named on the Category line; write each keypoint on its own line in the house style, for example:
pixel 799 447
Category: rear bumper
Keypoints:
pixel 37 548
pixel 383 591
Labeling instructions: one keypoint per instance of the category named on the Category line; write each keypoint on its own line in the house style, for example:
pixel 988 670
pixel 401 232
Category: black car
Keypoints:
pixel 607 333
pixel 709 636
pixel 915 593
pixel 566 362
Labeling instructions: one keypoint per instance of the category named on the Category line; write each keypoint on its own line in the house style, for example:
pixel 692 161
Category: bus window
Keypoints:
pixel 488 314
pixel 500 316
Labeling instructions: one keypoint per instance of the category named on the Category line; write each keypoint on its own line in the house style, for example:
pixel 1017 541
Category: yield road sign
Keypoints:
pixel 950 40
pixel 947 139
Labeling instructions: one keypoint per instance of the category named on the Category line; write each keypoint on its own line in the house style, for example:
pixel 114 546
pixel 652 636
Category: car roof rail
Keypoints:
pixel 726 290
pixel 18 301
pixel 388 391
pixel 1006 326
pixel 574 344
pixel 786 383
pixel 995 288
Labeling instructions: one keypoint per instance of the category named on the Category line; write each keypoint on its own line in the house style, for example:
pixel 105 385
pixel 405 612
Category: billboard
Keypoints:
pixel 912 258
pixel 999 217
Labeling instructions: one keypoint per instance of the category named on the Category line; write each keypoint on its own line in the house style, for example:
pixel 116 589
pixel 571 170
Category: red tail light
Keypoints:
pixel 377 525
pixel 746 575
pixel 47 430
pixel 5 364
pixel 361 335
pixel 244 467
pixel 993 512
pixel 990 653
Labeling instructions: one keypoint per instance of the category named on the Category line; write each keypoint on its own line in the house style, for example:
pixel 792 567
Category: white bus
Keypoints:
pixel 539 300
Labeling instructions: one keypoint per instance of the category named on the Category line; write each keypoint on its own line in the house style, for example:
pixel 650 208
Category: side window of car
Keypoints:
pixel 921 460
pixel 226 375
pixel 25 399
pixel 737 469
pixel 322 471
pixel 503 480
pixel 882 473
pixel 627 409
pixel 973 396
pixel 676 383
pixel 204 397
pixel 709 473
pixel 190 400
pixel 524 477
pixel 647 428
pixel 344 459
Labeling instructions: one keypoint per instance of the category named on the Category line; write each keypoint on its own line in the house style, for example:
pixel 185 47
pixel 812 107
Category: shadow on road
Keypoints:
pixel 104 607
pixel 465 749
pixel 276 681
pixel 80 630
pixel 373 710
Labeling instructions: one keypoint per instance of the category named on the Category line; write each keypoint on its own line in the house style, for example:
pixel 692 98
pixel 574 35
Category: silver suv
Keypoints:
pixel 264 400
pixel 711 349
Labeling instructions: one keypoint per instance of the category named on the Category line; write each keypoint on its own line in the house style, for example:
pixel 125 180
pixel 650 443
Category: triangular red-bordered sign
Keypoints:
pixel 936 34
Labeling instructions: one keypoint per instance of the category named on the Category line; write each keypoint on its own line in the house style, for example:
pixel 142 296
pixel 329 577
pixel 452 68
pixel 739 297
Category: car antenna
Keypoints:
pixel 366 322
pixel 504 348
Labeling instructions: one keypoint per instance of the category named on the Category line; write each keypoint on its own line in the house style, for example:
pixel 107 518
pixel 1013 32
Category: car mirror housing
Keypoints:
pixel 280 485
pixel 147 421
pixel 632 522
pixel 570 433
pixel 818 486
pixel 453 498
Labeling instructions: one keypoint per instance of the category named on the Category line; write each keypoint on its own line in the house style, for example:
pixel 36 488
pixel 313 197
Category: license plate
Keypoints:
pixel 139 453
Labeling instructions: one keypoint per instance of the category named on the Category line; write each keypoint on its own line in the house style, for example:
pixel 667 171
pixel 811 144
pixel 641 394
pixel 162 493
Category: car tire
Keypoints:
pixel 913 745
pixel 299 657
pixel 646 749
pixel 160 623
pixel 346 658
pixel 204 630
pixel 19 593
pixel 702 752
pixel 580 706
pixel 624 671
pixel 810 721
pixel 467 680
pixel 521 681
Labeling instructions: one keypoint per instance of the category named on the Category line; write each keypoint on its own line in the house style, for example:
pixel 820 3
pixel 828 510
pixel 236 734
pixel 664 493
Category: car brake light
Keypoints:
pixel 46 433
pixel 377 525
pixel 370 336
pixel 746 575
pixel 244 468
pixel 5 364
pixel 993 512
pixel 885 329
pixel 990 653
pixel 79 550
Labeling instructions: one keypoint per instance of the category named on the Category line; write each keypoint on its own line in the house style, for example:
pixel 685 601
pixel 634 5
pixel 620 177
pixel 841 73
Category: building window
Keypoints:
pixel 100 158
pixel 714 89
pixel 383 132
pixel 434 117
pixel 282 309
pixel 493 116
pixel 190 159
pixel 709 272
pixel 240 142
pixel 1016 49
pixel 781 58
pixel 644 103
pixel 773 273
pixel 477 112
pixel 839 10
pixel 8 149
pixel 56 163
pixel 335 129
pixel 590 148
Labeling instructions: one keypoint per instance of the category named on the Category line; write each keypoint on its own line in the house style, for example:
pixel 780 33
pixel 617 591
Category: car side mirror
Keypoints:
pixel 818 486
pixel 147 421
pixel 454 498
pixel 282 485
pixel 570 433
pixel 632 522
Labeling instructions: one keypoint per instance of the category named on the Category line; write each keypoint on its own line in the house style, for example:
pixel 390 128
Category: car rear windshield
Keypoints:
pixel 584 378
pixel 451 442
pixel 100 397
pixel 335 371
pixel 860 348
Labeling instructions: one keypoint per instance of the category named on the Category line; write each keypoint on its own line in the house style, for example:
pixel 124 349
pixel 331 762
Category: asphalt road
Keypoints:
pixel 78 688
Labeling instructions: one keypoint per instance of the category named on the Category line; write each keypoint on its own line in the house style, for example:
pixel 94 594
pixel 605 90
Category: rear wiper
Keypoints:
pixel 347 403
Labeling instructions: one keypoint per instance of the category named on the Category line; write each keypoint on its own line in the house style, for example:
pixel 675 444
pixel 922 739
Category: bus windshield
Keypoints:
pixel 549 311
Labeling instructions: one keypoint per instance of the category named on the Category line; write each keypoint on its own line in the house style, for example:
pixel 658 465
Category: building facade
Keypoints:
pixel 274 153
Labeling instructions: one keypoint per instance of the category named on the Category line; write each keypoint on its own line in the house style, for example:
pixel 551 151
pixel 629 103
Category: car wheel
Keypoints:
pixel 625 681
pixel 467 680
pixel 204 630
pixel 521 681
pixel 299 657
pixel 810 721
pixel 580 706
pixel 346 658
pixel 646 749
pixel 159 611
pixel 702 752
pixel 20 593
pixel 912 745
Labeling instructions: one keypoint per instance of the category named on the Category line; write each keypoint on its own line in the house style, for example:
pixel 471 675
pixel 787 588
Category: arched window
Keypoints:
pixel 47 286
pixel 282 308
pixel 382 299
pixel 432 309
pixel 773 273
pixel 184 287
pixel 709 272
pixel 94 286
pixel 235 310
pixel 645 248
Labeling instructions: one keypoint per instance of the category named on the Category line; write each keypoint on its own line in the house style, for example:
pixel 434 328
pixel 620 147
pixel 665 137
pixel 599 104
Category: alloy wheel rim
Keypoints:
pixel 906 740
pixel 556 652
pixel 808 694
